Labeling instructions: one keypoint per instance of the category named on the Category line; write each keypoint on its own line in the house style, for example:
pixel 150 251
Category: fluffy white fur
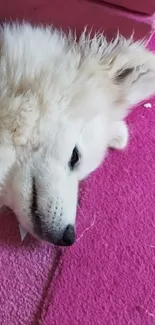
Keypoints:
pixel 57 93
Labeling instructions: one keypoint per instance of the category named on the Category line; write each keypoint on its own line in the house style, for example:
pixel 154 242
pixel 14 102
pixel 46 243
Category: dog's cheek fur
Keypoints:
pixel 7 159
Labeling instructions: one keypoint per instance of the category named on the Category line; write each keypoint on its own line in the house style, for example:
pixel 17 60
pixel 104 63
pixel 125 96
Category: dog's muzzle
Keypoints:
pixel 61 237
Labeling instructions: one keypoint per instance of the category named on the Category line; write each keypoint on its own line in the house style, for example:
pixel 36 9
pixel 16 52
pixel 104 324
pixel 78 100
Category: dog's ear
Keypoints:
pixel 132 71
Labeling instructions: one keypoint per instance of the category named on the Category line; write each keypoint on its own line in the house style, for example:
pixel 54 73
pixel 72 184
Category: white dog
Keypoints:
pixel 62 104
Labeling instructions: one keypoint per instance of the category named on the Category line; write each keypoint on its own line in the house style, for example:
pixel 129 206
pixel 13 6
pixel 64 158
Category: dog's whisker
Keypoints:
pixel 42 198
pixel 88 228
pixel 9 212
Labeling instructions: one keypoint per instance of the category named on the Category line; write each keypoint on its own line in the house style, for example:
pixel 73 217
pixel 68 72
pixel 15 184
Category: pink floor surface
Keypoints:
pixel 108 276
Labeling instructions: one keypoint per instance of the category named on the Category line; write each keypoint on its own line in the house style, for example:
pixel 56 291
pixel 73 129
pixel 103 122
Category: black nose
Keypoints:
pixel 69 235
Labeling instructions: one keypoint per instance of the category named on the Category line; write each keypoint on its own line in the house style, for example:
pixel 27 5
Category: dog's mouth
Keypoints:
pixel 36 218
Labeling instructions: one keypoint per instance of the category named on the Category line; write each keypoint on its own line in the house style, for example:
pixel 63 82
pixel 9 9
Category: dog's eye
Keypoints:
pixel 74 158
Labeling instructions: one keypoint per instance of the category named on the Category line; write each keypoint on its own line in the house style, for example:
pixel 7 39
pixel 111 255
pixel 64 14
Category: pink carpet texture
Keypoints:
pixel 108 276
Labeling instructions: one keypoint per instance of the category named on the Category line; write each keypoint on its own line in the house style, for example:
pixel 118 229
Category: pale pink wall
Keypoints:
pixel 76 14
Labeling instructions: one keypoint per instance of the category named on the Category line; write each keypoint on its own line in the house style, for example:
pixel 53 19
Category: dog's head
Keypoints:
pixel 57 103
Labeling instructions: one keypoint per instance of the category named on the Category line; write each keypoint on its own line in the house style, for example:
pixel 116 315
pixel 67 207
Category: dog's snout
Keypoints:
pixel 69 235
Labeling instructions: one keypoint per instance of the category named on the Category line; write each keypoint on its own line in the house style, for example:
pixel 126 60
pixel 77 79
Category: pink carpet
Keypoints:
pixel 25 270
pixel 108 276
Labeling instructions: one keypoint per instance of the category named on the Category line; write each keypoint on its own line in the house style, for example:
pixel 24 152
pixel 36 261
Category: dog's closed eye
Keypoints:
pixel 74 158
pixel 122 74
